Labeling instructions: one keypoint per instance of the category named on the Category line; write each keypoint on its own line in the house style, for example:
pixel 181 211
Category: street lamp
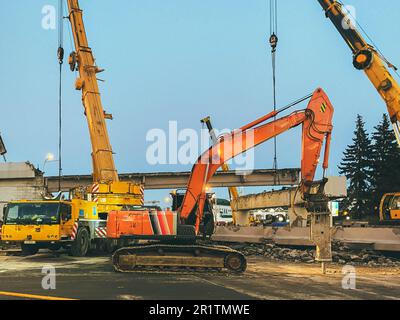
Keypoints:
pixel 167 200
pixel 49 158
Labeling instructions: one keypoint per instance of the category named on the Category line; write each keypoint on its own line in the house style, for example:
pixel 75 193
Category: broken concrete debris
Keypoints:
pixel 341 254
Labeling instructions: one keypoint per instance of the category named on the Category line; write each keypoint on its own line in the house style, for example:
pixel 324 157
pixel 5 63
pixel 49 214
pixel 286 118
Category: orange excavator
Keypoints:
pixel 175 232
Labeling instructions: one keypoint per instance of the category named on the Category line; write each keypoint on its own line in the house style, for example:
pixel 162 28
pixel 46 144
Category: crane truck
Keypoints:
pixel 80 223
pixel 175 231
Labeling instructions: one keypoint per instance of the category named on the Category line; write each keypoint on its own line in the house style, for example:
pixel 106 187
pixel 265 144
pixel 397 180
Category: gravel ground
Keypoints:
pixel 341 254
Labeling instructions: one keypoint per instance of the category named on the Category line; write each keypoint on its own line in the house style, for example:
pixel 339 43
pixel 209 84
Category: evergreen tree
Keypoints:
pixel 356 166
pixel 385 161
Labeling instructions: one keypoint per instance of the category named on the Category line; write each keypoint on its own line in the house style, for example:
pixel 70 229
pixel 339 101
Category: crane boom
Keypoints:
pixel 104 170
pixel 367 58
pixel 107 190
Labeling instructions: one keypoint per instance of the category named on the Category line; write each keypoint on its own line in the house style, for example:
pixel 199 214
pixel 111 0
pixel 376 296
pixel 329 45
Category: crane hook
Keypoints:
pixel 273 41
pixel 60 55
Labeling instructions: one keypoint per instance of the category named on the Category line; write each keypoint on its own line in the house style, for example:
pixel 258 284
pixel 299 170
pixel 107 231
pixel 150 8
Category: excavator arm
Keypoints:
pixel 368 59
pixel 317 127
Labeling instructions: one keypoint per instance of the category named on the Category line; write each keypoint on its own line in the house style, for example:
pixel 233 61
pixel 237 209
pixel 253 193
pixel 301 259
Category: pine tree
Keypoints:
pixel 356 166
pixel 385 162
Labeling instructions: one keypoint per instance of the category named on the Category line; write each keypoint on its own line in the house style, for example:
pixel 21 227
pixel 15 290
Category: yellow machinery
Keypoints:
pixel 368 59
pixel 50 224
pixel 390 207
pixel 376 67
pixel 107 190
pixel 46 224
pixel 233 192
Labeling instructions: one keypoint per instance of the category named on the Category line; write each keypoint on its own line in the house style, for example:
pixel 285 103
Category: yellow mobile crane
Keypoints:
pixel 376 67
pixel 80 223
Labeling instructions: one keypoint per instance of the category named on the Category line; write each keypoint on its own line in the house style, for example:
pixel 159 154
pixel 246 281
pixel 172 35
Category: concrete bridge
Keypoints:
pixel 177 180
pixel 23 181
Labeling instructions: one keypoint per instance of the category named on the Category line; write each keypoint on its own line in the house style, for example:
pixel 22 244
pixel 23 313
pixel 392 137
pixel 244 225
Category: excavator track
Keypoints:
pixel 165 257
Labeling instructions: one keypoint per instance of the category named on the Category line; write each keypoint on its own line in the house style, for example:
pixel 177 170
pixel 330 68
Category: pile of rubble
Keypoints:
pixel 341 254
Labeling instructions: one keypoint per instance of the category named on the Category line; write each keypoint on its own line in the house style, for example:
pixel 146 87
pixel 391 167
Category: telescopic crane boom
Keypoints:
pixel 107 188
pixel 368 59
pixel 103 162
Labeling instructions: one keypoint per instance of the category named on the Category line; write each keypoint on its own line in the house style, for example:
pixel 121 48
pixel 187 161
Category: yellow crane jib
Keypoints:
pixel 376 67
pixel 111 191
pixel 233 191
pixel 368 59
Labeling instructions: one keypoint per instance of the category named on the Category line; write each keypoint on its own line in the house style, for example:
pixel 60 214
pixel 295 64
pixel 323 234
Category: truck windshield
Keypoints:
pixel 32 213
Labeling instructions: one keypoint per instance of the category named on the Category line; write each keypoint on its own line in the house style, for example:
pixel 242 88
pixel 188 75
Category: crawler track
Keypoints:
pixel 163 257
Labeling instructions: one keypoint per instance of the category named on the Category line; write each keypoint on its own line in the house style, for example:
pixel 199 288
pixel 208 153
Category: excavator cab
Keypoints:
pixel 177 198
pixel 207 224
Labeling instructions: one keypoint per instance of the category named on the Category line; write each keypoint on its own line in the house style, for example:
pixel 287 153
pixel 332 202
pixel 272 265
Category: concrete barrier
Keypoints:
pixel 380 239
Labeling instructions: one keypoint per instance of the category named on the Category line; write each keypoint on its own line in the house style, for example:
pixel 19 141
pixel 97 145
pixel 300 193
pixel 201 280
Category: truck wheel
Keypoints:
pixel 29 250
pixel 80 246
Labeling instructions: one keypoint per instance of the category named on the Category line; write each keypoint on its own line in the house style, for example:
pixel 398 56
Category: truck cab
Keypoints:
pixel 47 224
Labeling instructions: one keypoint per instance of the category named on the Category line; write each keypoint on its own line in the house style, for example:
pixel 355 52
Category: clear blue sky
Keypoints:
pixel 182 60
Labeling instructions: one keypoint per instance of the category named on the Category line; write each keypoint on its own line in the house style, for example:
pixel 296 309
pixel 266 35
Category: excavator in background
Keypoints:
pixel 176 231
pixel 389 209
pixel 77 224
pixel 233 191
pixel 376 67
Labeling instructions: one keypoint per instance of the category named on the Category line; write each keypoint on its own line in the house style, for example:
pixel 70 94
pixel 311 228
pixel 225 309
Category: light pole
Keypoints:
pixel 49 158
pixel 167 200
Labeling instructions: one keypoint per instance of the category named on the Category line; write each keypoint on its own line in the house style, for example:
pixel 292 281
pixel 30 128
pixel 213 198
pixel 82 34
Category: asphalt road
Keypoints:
pixel 94 278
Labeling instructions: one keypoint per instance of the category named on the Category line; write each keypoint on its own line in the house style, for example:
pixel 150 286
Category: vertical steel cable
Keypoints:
pixel 60 56
pixel 273 41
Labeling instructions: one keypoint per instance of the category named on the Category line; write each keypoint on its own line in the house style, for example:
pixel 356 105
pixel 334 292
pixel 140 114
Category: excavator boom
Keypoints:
pixel 317 126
